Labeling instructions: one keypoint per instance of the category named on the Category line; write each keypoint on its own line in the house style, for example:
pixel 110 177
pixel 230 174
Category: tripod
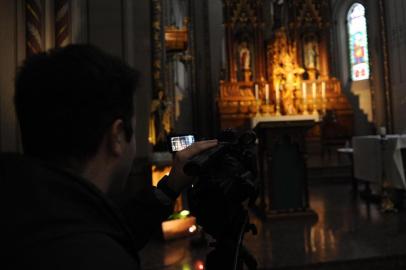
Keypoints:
pixel 229 251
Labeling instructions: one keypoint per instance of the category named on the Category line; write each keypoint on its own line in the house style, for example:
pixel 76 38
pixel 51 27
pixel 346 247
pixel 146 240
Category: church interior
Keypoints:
pixel 320 82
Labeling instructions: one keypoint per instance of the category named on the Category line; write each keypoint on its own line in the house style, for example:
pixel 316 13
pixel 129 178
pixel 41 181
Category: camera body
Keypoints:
pixel 227 177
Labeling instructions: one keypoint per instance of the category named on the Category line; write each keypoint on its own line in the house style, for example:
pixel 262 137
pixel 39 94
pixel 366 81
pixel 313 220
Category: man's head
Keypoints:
pixel 68 100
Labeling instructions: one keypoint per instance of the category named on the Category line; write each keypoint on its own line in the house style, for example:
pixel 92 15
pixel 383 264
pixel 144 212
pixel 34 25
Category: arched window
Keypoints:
pixel 358 42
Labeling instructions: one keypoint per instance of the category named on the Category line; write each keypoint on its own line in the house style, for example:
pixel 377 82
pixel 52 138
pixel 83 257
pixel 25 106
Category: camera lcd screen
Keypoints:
pixel 181 142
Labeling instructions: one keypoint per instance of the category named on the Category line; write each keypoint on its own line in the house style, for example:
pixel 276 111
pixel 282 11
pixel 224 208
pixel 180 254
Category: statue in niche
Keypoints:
pixel 311 57
pixel 245 56
pixel 310 54
pixel 245 60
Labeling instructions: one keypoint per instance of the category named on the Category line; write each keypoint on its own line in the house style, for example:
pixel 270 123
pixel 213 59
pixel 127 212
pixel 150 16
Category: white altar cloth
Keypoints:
pixel 370 159
pixel 274 118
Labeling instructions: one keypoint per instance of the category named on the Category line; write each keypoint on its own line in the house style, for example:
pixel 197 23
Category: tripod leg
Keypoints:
pixel 248 258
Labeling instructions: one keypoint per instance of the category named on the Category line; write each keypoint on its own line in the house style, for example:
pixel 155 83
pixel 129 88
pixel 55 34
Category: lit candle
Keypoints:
pixel 314 90
pixel 323 90
pixel 256 92
pixel 304 91
pixel 266 93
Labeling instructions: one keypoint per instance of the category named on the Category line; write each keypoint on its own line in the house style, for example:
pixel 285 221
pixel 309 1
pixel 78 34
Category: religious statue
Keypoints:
pixel 311 54
pixel 286 73
pixel 244 56
pixel 245 61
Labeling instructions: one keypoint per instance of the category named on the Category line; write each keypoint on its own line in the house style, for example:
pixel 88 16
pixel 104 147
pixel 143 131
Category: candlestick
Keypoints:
pixel 257 101
pixel 323 90
pixel 304 91
pixel 314 90
pixel 304 97
pixel 314 96
pixel 323 96
pixel 277 98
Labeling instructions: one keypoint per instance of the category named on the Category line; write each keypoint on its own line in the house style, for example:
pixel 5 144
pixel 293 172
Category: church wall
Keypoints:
pixel 396 36
pixel 8 55
pixel 396 47
pixel 123 29
pixel 376 62
pixel 179 75
pixel 105 25
pixel 205 14
pixel 366 97
pixel 216 30
pixel 118 27
pixel 141 49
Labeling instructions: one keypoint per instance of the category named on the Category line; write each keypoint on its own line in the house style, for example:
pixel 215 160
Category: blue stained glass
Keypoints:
pixel 358 42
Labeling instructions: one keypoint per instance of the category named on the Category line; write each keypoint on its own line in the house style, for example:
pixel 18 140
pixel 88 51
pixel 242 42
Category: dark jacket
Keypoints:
pixel 52 219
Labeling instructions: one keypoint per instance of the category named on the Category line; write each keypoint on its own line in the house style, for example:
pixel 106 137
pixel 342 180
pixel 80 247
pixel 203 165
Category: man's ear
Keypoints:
pixel 116 138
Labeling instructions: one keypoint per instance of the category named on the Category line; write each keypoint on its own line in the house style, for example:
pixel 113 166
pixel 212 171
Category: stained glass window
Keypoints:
pixel 358 42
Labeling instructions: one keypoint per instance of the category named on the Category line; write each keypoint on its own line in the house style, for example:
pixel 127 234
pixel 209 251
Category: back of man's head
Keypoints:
pixel 66 99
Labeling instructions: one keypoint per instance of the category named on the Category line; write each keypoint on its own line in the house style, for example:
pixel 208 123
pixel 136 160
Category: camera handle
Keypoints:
pixel 229 252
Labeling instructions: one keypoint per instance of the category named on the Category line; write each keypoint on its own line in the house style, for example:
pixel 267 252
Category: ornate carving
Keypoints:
pixel 310 14
pixel 34 26
pixel 158 53
pixel 286 73
pixel 243 12
pixel 62 22
pixel 176 39
pixel 292 72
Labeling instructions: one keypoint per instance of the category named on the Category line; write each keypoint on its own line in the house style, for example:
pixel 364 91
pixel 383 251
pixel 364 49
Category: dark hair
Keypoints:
pixel 67 98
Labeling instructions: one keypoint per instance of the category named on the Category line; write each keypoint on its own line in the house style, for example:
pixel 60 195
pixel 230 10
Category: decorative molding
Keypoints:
pixel 309 14
pixel 62 23
pixel 243 12
pixel 158 49
pixel 34 21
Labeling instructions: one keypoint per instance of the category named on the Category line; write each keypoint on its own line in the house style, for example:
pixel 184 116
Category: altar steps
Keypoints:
pixel 327 167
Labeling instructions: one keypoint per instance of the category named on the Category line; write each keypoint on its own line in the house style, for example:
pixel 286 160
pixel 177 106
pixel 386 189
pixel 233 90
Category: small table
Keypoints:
pixel 375 157
pixel 378 160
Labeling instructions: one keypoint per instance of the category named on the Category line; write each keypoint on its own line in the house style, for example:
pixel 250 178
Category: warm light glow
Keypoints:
pixel 192 228
pixel 199 265
pixel 266 93
pixel 323 90
pixel 184 213
pixel 314 90
pixel 186 267
pixel 178 227
pixel 304 91
pixel 158 173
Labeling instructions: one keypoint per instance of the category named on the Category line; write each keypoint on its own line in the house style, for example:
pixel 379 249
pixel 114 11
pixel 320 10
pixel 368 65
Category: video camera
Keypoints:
pixel 226 186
